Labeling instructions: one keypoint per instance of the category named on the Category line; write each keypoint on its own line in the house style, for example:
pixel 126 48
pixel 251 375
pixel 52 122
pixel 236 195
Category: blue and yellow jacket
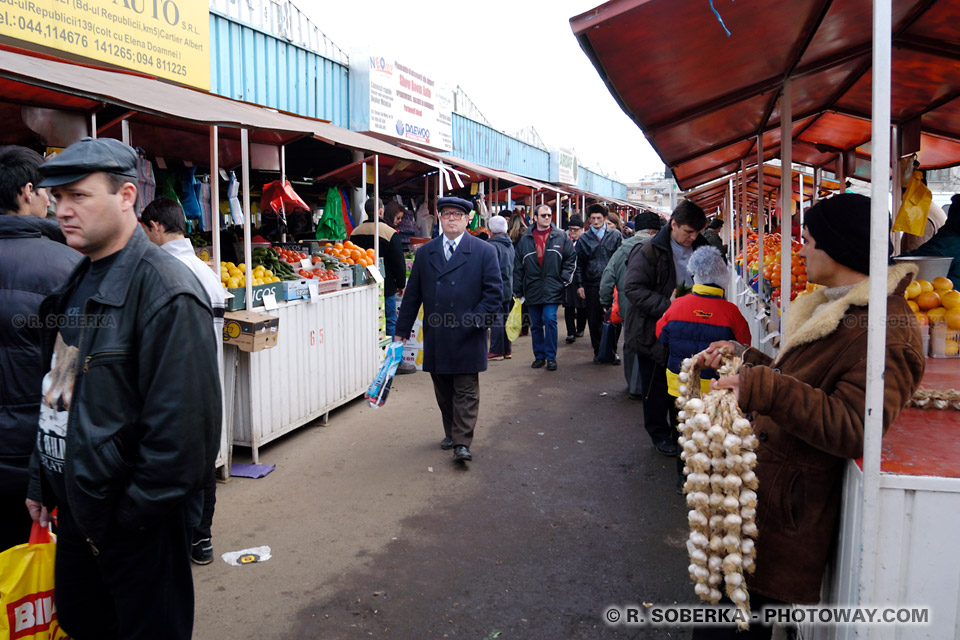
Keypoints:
pixel 693 322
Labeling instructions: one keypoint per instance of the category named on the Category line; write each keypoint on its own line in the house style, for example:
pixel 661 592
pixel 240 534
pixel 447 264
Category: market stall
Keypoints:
pixel 324 349
pixel 824 93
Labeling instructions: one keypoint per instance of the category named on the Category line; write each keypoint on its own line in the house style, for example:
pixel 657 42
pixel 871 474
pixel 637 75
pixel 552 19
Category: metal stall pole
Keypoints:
pixel 125 131
pixel 842 172
pixel 376 209
pixel 760 216
pixel 283 182
pixel 93 126
pixel 876 311
pixel 509 198
pixel 247 250
pixel 440 184
pixel 742 212
pixel 786 194
pixel 817 181
pixel 897 183
pixel 215 217
pixel 215 221
pixel 558 209
pixel 800 179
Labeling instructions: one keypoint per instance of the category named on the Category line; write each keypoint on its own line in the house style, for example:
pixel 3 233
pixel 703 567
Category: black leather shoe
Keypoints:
pixel 446 444
pixel 461 452
pixel 551 365
pixel 615 361
pixel 579 334
pixel 571 339
pixel 538 363
pixel 668 448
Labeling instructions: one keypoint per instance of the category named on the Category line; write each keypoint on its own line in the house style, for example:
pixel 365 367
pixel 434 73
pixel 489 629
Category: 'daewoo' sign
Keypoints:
pixel 394 99
pixel 165 38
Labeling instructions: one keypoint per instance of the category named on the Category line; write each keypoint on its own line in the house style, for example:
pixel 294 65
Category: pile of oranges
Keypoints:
pixel 935 302
pixel 350 253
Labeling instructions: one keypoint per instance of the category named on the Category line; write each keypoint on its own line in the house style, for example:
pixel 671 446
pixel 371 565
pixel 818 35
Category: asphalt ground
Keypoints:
pixel 375 532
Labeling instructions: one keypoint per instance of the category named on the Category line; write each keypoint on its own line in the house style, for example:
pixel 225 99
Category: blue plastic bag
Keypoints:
pixel 380 387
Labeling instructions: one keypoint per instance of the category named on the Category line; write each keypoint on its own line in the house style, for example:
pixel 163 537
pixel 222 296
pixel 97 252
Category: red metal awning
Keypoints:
pixel 702 97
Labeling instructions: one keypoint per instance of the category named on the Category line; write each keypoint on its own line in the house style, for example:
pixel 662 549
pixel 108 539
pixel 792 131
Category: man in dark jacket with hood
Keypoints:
pixel 545 265
pixel 594 249
pixel 33 262
pixel 656 270
pixel 506 254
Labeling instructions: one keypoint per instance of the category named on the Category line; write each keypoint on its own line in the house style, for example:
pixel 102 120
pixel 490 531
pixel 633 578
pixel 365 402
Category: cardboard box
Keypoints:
pixel 295 289
pixel 414 356
pixel 250 331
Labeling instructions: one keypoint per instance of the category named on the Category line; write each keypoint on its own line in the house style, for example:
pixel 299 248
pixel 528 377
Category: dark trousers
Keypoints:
pixel 458 396
pixel 209 504
pixel 15 520
pixel 576 319
pixel 657 402
pixel 631 372
pixel 594 315
pixel 139 586
pixel 755 632
pixel 499 344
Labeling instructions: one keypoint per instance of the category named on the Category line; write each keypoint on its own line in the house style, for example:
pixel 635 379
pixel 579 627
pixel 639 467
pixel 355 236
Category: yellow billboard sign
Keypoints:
pixel 165 38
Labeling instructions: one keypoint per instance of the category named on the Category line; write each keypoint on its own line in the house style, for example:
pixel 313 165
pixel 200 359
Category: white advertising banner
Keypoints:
pixel 563 166
pixel 396 100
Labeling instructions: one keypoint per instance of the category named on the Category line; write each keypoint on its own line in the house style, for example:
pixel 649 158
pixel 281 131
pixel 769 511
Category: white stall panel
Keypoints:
pixel 918 560
pixel 326 355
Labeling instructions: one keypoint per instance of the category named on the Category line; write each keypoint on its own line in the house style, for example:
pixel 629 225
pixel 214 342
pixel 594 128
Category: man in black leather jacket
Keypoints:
pixel 130 412
pixel 594 249
pixel 545 264
pixel 33 262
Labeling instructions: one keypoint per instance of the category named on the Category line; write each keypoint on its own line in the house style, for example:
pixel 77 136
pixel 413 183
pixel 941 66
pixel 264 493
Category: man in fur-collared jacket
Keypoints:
pixel 808 403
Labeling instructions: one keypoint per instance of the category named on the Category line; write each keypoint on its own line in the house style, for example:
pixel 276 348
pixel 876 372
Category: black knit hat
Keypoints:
pixel 841 226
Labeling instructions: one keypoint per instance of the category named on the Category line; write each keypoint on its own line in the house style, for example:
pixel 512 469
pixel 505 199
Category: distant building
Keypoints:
pixel 652 191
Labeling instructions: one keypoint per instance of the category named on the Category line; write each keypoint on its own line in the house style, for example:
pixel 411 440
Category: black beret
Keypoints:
pixel 88 156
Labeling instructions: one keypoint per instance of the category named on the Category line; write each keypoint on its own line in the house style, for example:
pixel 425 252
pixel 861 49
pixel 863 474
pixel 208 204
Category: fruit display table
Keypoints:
pixel 918 558
pixel 326 355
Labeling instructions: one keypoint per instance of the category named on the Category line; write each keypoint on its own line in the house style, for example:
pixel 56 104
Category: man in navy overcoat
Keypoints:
pixel 456 278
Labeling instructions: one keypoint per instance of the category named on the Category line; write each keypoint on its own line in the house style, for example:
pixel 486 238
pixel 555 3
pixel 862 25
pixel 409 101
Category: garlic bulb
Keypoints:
pixel 718 450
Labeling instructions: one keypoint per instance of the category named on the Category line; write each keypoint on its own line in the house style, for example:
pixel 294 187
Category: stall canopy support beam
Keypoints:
pixel 760 213
pixel 247 250
pixel 786 193
pixel 876 310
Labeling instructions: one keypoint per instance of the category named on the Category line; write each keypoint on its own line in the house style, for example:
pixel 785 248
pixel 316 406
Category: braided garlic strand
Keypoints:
pixel 718 450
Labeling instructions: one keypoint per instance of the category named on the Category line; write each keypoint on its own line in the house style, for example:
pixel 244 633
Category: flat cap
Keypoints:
pixel 80 159
pixel 459 203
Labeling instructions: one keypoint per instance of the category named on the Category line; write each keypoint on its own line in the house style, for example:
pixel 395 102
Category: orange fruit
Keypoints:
pixel 936 314
pixel 356 254
pixel 925 286
pixel 928 300
pixel 913 306
pixel 950 299
pixel 338 246
pixel 922 318
pixel 370 252
pixel 952 318
pixel 913 290
pixel 942 283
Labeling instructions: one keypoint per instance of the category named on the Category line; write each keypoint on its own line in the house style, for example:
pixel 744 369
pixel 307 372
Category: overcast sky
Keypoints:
pixel 517 60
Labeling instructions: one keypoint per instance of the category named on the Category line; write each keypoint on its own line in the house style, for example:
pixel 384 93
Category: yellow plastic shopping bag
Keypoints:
pixel 26 590
pixel 515 320
pixel 912 216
